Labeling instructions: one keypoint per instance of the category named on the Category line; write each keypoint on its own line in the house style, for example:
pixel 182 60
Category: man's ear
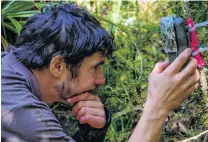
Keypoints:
pixel 57 66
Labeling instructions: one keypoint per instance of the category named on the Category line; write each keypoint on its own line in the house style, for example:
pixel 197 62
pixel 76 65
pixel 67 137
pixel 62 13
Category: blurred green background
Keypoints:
pixel 135 26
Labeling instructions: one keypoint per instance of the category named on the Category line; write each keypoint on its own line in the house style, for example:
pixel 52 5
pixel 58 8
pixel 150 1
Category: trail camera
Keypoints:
pixel 174 36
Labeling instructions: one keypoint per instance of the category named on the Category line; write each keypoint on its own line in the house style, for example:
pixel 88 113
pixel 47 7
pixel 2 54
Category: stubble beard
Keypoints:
pixel 64 88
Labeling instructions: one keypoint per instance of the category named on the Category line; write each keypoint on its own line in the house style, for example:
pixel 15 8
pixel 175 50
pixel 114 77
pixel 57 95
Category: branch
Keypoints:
pixel 202 137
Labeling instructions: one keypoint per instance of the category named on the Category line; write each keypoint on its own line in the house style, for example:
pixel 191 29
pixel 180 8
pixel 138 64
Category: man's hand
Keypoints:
pixel 88 108
pixel 168 87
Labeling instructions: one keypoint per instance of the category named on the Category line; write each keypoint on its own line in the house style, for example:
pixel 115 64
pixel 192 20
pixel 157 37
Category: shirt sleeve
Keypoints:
pixel 34 122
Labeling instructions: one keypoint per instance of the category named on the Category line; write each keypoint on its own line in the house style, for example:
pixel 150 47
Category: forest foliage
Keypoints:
pixel 136 29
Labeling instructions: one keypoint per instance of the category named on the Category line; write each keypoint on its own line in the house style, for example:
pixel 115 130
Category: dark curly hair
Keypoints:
pixel 65 30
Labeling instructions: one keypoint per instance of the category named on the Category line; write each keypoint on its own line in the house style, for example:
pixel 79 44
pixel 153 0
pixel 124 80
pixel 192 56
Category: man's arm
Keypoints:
pixel 149 127
pixel 167 89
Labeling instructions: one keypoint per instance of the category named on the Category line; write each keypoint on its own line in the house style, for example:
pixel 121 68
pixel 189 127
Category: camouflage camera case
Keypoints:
pixel 174 36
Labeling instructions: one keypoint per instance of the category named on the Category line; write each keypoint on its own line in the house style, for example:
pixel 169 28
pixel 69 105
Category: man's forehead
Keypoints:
pixel 95 58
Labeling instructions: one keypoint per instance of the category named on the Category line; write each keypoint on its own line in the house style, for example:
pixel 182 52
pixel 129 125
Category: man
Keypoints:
pixel 58 57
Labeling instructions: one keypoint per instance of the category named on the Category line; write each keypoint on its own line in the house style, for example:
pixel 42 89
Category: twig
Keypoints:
pixel 203 135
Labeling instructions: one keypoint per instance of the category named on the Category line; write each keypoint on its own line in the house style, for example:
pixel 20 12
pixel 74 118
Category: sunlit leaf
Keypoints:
pixel 11 28
pixel 23 13
pixel 16 24
pixel 17 6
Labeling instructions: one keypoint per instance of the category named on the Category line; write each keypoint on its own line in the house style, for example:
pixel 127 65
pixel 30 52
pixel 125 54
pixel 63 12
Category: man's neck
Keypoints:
pixel 46 83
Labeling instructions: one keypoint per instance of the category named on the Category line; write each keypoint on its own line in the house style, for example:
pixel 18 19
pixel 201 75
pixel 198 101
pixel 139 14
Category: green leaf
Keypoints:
pixel 40 5
pixel 22 22
pixel 8 5
pixel 10 28
pixel 16 24
pixel 23 13
pixel 18 6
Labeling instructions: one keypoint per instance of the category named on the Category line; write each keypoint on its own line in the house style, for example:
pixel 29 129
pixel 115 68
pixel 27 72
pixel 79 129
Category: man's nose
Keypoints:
pixel 100 79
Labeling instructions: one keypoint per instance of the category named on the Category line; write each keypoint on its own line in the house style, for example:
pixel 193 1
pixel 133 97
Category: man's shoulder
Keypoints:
pixel 6 67
pixel 3 54
pixel 32 121
pixel 15 91
pixel 10 78
pixel 15 87
pixel 16 77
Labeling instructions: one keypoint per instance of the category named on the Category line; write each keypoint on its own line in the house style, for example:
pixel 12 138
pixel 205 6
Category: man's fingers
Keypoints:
pixel 92 104
pixel 83 97
pixel 192 79
pixel 90 111
pixel 179 61
pixel 178 100
pixel 160 67
pixel 189 69
pixel 191 84
pixel 190 90
pixel 94 121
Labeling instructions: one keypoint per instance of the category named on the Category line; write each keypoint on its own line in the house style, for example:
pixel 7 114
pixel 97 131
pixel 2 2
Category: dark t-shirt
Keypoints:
pixel 23 116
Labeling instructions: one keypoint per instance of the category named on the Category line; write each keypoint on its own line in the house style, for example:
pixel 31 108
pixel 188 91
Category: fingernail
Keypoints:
pixel 166 62
pixel 190 51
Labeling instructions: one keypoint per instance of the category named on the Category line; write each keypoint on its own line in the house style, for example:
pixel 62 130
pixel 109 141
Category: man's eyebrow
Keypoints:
pixel 100 63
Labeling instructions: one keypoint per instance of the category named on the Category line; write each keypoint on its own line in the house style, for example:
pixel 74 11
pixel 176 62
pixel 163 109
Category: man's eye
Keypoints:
pixel 95 67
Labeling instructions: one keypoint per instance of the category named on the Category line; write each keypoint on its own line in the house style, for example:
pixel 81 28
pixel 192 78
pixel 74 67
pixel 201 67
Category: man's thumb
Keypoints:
pixel 160 66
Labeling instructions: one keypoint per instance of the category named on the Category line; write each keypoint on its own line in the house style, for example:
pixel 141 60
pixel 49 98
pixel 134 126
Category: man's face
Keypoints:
pixel 89 78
